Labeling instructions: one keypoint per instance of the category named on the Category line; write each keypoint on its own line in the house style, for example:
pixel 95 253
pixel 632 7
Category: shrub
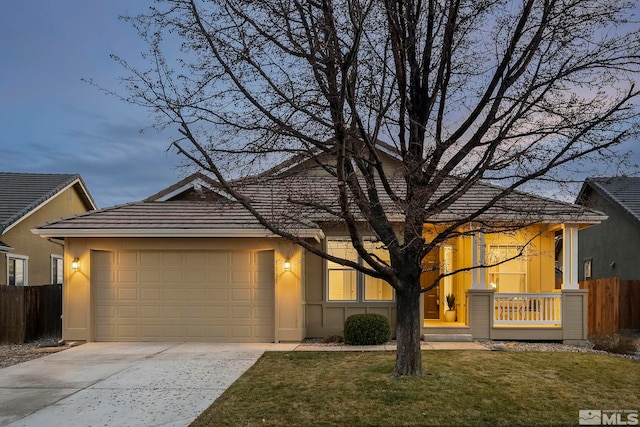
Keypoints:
pixel 620 343
pixel 367 329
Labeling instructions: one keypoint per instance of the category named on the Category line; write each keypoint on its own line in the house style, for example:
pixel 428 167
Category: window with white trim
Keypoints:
pixel 508 276
pixel 346 283
pixel 57 272
pixel 17 269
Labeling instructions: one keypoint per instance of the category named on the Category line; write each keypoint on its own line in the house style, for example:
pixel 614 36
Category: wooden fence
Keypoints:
pixel 613 305
pixel 28 313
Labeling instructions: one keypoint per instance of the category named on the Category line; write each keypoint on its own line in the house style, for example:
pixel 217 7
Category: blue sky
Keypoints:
pixel 53 122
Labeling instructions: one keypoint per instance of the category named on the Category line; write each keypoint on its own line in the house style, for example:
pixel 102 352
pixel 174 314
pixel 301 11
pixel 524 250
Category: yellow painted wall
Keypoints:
pixel 38 249
pixel 77 315
pixel 540 254
pixel 540 265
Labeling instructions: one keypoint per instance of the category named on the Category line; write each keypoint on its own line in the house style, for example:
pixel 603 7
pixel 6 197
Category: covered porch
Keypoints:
pixel 522 298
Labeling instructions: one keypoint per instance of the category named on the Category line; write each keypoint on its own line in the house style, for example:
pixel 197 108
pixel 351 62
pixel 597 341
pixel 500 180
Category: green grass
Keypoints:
pixel 456 388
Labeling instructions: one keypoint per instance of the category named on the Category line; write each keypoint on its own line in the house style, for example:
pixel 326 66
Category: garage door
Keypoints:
pixel 225 296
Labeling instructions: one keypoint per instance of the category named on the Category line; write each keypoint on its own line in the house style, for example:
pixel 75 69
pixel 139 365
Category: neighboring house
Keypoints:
pixel 613 247
pixel 190 264
pixel 26 201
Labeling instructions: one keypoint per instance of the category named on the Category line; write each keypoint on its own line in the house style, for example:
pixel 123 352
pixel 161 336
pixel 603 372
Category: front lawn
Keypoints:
pixel 457 388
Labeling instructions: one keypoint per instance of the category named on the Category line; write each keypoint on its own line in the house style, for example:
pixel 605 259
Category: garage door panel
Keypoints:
pixel 172 294
pixel 241 277
pixel 181 296
pixel 241 331
pixel 263 295
pixel 106 294
pixel 196 260
pixel 241 259
pixel 150 276
pixel 220 312
pixel 262 312
pixel 219 294
pixel 150 331
pixel 172 276
pixel 127 276
pixel 173 313
pixel 127 259
pixel 240 295
pixel 125 312
pixel 172 258
pixel 127 294
pixel 197 295
pixel 150 294
pixel 151 311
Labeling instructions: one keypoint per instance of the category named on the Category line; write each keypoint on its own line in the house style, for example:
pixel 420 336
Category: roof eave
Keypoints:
pixel 208 232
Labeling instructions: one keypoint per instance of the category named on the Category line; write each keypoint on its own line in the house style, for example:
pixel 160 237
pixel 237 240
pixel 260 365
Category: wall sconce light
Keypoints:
pixel 75 263
pixel 287 265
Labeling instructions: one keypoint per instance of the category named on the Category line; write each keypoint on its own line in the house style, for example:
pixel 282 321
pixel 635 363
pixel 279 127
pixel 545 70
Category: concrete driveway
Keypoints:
pixel 122 384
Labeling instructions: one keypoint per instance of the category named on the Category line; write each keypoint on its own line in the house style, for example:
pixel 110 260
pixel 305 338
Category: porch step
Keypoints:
pixel 447 338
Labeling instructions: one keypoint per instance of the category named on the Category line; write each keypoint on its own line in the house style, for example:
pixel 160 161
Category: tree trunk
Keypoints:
pixel 408 355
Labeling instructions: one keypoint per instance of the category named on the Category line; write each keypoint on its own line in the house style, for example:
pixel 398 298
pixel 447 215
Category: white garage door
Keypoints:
pixel 225 296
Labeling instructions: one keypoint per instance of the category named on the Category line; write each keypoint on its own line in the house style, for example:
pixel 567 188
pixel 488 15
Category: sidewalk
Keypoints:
pixel 385 347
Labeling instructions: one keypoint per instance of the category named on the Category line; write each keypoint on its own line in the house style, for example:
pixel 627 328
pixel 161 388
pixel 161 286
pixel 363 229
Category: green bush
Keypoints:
pixel 367 329
pixel 624 342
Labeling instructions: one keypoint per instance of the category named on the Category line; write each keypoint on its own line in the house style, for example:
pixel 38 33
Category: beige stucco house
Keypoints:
pixel 190 264
pixel 26 201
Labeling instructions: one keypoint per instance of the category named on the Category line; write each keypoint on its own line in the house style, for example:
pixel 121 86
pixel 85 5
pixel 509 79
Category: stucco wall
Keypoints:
pixel 615 240
pixel 39 250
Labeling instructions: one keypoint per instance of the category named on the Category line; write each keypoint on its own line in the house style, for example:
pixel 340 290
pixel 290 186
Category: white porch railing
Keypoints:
pixel 527 309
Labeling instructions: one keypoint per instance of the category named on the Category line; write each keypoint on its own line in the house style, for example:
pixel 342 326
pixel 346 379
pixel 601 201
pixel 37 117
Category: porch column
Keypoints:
pixel 478 257
pixel 570 256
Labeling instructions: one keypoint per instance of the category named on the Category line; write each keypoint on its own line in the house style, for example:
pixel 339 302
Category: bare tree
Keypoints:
pixel 510 92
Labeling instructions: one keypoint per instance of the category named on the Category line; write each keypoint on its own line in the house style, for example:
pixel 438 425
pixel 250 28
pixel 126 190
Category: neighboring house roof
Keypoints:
pixel 622 191
pixel 23 193
pixel 197 206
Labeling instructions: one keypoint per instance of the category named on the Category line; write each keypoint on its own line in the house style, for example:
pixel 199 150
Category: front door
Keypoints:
pixel 431 297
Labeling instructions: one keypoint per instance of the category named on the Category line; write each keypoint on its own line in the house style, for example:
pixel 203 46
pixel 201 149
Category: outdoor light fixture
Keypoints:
pixel 287 265
pixel 75 263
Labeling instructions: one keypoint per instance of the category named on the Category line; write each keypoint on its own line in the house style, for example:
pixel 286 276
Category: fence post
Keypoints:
pixel 480 313
pixel 574 316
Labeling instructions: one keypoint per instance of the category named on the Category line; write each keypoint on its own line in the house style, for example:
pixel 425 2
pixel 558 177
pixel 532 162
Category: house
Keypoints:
pixel 613 247
pixel 190 264
pixel 26 201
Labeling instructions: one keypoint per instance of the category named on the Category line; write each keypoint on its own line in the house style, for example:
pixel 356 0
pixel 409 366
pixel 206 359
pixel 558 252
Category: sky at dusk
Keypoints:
pixel 53 122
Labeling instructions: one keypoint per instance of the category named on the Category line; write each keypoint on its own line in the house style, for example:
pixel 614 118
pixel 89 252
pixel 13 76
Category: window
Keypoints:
pixel 348 284
pixel 56 269
pixel 587 268
pixel 342 285
pixel 17 268
pixel 508 276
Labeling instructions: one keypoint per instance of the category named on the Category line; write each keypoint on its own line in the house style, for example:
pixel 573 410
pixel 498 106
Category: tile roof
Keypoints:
pixel 622 191
pixel 20 193
pixel 288 201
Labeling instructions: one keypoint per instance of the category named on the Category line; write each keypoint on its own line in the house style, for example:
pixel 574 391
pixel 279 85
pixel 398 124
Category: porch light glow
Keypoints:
pixel 75 263
pixel 287 265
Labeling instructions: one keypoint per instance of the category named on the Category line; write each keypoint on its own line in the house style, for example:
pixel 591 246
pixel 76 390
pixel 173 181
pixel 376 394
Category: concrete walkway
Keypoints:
pixel 136 384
